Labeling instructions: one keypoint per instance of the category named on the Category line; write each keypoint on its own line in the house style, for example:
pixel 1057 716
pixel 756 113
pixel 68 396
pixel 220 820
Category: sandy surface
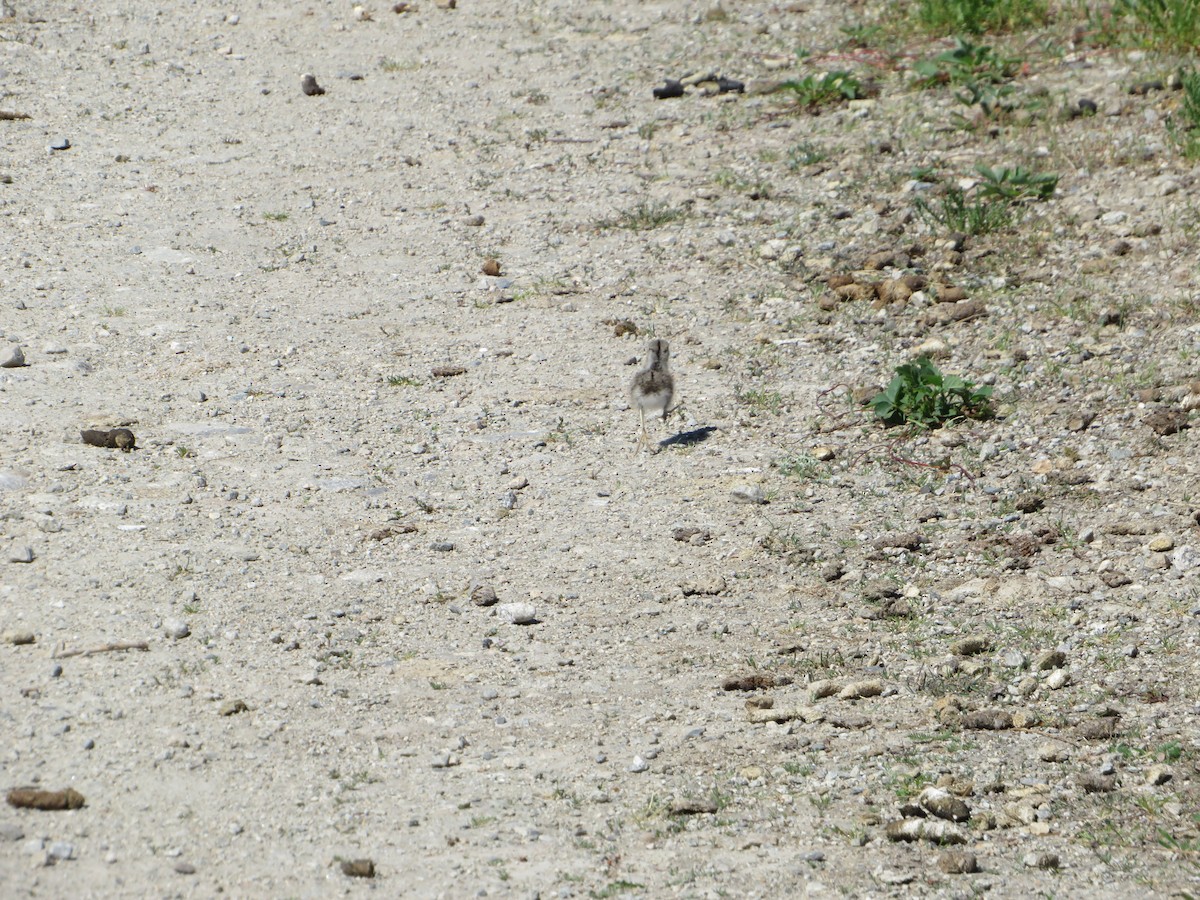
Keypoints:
pixel 274 292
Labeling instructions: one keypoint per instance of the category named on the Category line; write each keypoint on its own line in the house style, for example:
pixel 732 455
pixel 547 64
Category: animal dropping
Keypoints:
pixel 117 439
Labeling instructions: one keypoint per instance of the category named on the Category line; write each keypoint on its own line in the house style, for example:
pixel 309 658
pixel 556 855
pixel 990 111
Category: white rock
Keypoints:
pixel 517 613
pixel 176 629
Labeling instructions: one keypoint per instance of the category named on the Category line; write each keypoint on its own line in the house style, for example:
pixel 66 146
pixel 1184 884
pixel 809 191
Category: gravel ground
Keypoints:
pixel 385 576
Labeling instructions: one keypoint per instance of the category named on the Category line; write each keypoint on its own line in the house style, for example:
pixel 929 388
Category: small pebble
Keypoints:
pixel 483 595
pixel 638 765
pixel 61 850
pixel 184 868
pixel 60 143
pixel 1161 544
pixel 308 84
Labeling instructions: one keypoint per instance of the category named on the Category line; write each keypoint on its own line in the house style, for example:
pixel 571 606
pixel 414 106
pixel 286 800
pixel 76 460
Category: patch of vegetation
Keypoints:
pixel 644 216
pixel 1165 24
pixel 821 90
pixel 388 64
pixel 799 465
pixel 275 216
pixel 1185 128
pixel 615 889
pixel 988 205
pixel 860 35
pixel 760 400
pixel 948 17
pixel 403 381
pixel 805 154
pixel 1016 184
pixel 966 63
pixel 921 395
pixel 907 786
pixel 953 211
pixel 730 180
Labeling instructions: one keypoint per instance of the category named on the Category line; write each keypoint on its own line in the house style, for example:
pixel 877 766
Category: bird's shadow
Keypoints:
pixel 689 438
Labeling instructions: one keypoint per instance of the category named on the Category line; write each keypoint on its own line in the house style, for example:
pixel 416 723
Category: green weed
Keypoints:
pixel 1185 127
pixel 644 216
pixel 1172 24
pixel 977 16
pixel 1015 184
pixel 805 154
pixel 965 63
pixel 953 211
pixel 820 90
pixel 760 400
pixel 921 395
pixel 799 465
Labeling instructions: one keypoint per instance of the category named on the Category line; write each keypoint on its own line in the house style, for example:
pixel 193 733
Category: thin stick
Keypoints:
pixel 105 648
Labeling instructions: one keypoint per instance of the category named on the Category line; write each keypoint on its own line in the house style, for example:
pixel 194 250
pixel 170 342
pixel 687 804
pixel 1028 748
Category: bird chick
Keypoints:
pixel 653 387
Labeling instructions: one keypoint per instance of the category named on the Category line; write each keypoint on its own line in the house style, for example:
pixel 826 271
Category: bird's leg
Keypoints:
pixel 643 438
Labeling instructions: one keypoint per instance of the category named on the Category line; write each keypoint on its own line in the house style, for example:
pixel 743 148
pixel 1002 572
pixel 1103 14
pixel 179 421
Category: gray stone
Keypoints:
pixel 11 831
pixel 750 493
pixel 62 850
pixel 20 554
pixel 12 357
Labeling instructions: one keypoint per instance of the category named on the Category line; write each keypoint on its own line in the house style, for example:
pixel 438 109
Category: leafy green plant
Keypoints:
pixel 860 35
pixel 978 16
pixel 1185 127
pixel 965 63
pixel 992 99
pixel 1015 184
pixel 953 211
pixel 921 395
pixel 820 90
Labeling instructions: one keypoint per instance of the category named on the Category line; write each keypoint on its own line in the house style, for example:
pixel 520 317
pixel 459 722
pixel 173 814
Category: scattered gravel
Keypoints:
pixel 381 581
